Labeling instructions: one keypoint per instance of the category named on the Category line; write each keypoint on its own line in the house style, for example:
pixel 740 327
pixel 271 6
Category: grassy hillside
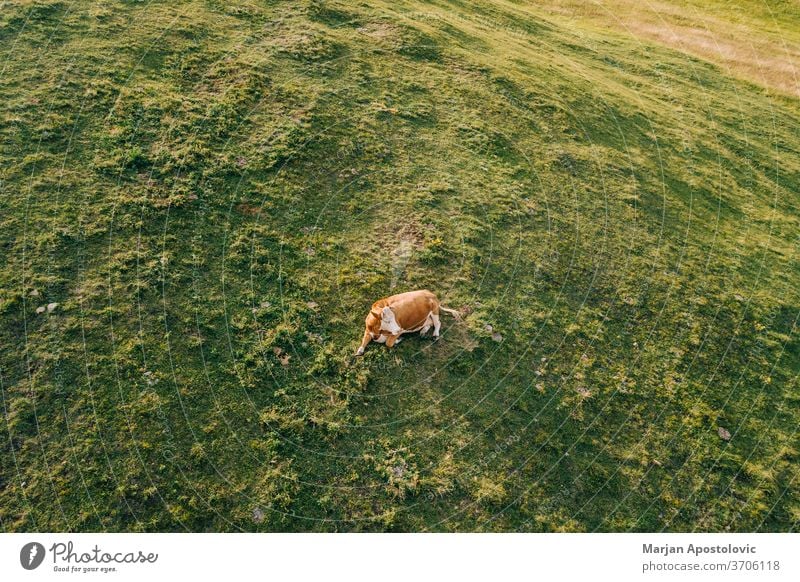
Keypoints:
pixel 209 196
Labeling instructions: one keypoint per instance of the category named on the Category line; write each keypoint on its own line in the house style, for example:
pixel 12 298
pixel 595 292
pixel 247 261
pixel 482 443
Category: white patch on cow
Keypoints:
pixel 388 321
pixel 382 339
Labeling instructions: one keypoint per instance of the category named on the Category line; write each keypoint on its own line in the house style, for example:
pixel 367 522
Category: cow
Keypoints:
pixel 391 317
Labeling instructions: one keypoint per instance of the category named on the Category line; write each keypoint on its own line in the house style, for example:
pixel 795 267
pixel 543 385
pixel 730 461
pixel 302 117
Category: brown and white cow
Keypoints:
pixel 408 312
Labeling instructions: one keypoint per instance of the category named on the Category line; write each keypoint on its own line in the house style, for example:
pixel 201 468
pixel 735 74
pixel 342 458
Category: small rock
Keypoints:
pixel 497 337
pixel 315 337
pixel 488 328
pixel 41 309
pixel 284 359
pixel 51 307
pixel 312 304
pixel 277 351
pixel 34 293
pixel 258 515
pixel 723 433
pixel 264 304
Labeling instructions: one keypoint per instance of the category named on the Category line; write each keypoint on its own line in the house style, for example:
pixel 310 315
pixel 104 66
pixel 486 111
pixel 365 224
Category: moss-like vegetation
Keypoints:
pixel 199 201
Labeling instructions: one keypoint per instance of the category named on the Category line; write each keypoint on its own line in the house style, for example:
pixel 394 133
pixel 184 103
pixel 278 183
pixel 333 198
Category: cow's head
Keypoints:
pixel 389 322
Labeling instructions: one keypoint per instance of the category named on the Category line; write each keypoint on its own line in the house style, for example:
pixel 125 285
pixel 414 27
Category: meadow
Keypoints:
pixel 200 200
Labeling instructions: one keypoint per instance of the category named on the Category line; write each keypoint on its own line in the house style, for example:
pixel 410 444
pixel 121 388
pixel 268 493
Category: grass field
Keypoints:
pixel 200 200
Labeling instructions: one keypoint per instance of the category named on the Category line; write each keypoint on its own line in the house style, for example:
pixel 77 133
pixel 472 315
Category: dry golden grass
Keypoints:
pixel 748 40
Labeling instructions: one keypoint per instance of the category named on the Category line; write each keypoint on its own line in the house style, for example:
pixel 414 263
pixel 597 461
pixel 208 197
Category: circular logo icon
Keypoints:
pixel 31 555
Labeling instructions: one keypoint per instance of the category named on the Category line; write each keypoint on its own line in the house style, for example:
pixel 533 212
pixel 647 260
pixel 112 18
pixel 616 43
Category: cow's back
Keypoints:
pixel 412 308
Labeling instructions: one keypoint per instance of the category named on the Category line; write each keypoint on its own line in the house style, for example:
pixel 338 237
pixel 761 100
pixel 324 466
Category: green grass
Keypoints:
pixel 206 188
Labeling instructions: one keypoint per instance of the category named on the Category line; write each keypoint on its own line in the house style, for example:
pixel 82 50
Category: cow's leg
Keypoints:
pixel 364 341
pixel 437 324
pixel 391 340
pixel 427 325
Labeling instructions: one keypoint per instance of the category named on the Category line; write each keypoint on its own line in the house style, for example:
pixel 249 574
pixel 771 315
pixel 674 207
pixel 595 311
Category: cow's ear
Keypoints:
pixel 376 313
pixel 387 312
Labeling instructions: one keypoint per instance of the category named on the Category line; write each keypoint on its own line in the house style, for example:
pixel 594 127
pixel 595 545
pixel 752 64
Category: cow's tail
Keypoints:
pixel 452 312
